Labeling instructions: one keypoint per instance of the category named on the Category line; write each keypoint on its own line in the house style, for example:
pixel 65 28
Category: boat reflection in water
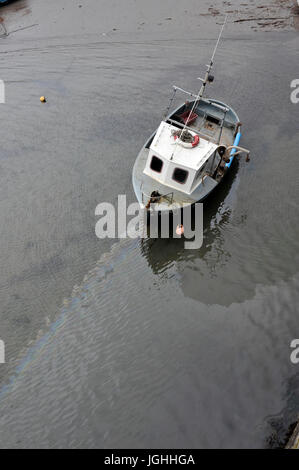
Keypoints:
pixel 202 272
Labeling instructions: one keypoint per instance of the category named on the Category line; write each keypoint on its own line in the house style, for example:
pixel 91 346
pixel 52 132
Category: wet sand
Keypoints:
pixel 106 71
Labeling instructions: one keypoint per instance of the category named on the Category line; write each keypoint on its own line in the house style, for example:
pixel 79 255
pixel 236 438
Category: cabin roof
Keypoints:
pixel 164 146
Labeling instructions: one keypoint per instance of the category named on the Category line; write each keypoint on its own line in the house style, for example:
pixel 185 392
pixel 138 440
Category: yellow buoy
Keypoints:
pixel 43 99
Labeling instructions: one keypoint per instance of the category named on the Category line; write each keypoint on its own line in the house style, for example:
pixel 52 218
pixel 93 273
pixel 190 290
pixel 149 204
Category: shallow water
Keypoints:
pixel 155 345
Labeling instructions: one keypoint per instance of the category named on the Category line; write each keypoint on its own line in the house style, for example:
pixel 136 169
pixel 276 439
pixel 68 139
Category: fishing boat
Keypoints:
pixel 189 154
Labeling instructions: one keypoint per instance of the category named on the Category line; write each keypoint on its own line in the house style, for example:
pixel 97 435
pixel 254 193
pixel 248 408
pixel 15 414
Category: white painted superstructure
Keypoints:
pixel 175 156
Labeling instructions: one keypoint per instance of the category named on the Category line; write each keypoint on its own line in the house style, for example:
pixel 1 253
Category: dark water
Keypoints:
pixel 155 345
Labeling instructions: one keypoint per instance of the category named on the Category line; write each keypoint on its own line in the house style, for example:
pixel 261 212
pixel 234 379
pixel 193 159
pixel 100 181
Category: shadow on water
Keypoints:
pixel 281 425
pixel 161 252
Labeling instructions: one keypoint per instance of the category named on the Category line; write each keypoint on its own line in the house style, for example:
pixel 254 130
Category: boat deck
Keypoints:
pixel 215 122
pixel 208 124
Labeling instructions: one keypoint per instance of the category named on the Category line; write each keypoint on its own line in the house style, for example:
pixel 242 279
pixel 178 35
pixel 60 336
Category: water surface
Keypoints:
pixel 129 343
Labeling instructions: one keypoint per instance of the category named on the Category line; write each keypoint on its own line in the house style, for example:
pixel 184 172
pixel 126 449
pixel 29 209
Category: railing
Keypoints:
pixel 200 132
pixel 146 197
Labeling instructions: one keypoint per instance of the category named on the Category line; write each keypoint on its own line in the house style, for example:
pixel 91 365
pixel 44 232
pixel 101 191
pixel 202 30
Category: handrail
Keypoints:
pixel 196 131
pixel 225 109
pixel 184 91
pixel 173 121
pixel 162 196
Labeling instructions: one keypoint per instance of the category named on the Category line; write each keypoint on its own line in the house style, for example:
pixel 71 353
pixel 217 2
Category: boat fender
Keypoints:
pixel 180 230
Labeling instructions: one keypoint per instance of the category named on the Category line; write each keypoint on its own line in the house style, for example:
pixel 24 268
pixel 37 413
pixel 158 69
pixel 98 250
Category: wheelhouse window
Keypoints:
pixel 156 164
pixel 180 175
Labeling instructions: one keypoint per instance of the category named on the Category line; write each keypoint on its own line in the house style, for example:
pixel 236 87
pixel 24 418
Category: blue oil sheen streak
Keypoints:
pixel 101 272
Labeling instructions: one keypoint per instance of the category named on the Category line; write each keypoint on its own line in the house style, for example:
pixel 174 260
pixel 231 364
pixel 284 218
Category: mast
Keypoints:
pixel 209 78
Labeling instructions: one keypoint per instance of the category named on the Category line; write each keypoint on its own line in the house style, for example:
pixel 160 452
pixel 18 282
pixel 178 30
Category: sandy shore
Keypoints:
pixel 41 18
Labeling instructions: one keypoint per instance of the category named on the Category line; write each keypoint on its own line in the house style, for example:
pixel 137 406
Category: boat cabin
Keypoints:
pixel 176 165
